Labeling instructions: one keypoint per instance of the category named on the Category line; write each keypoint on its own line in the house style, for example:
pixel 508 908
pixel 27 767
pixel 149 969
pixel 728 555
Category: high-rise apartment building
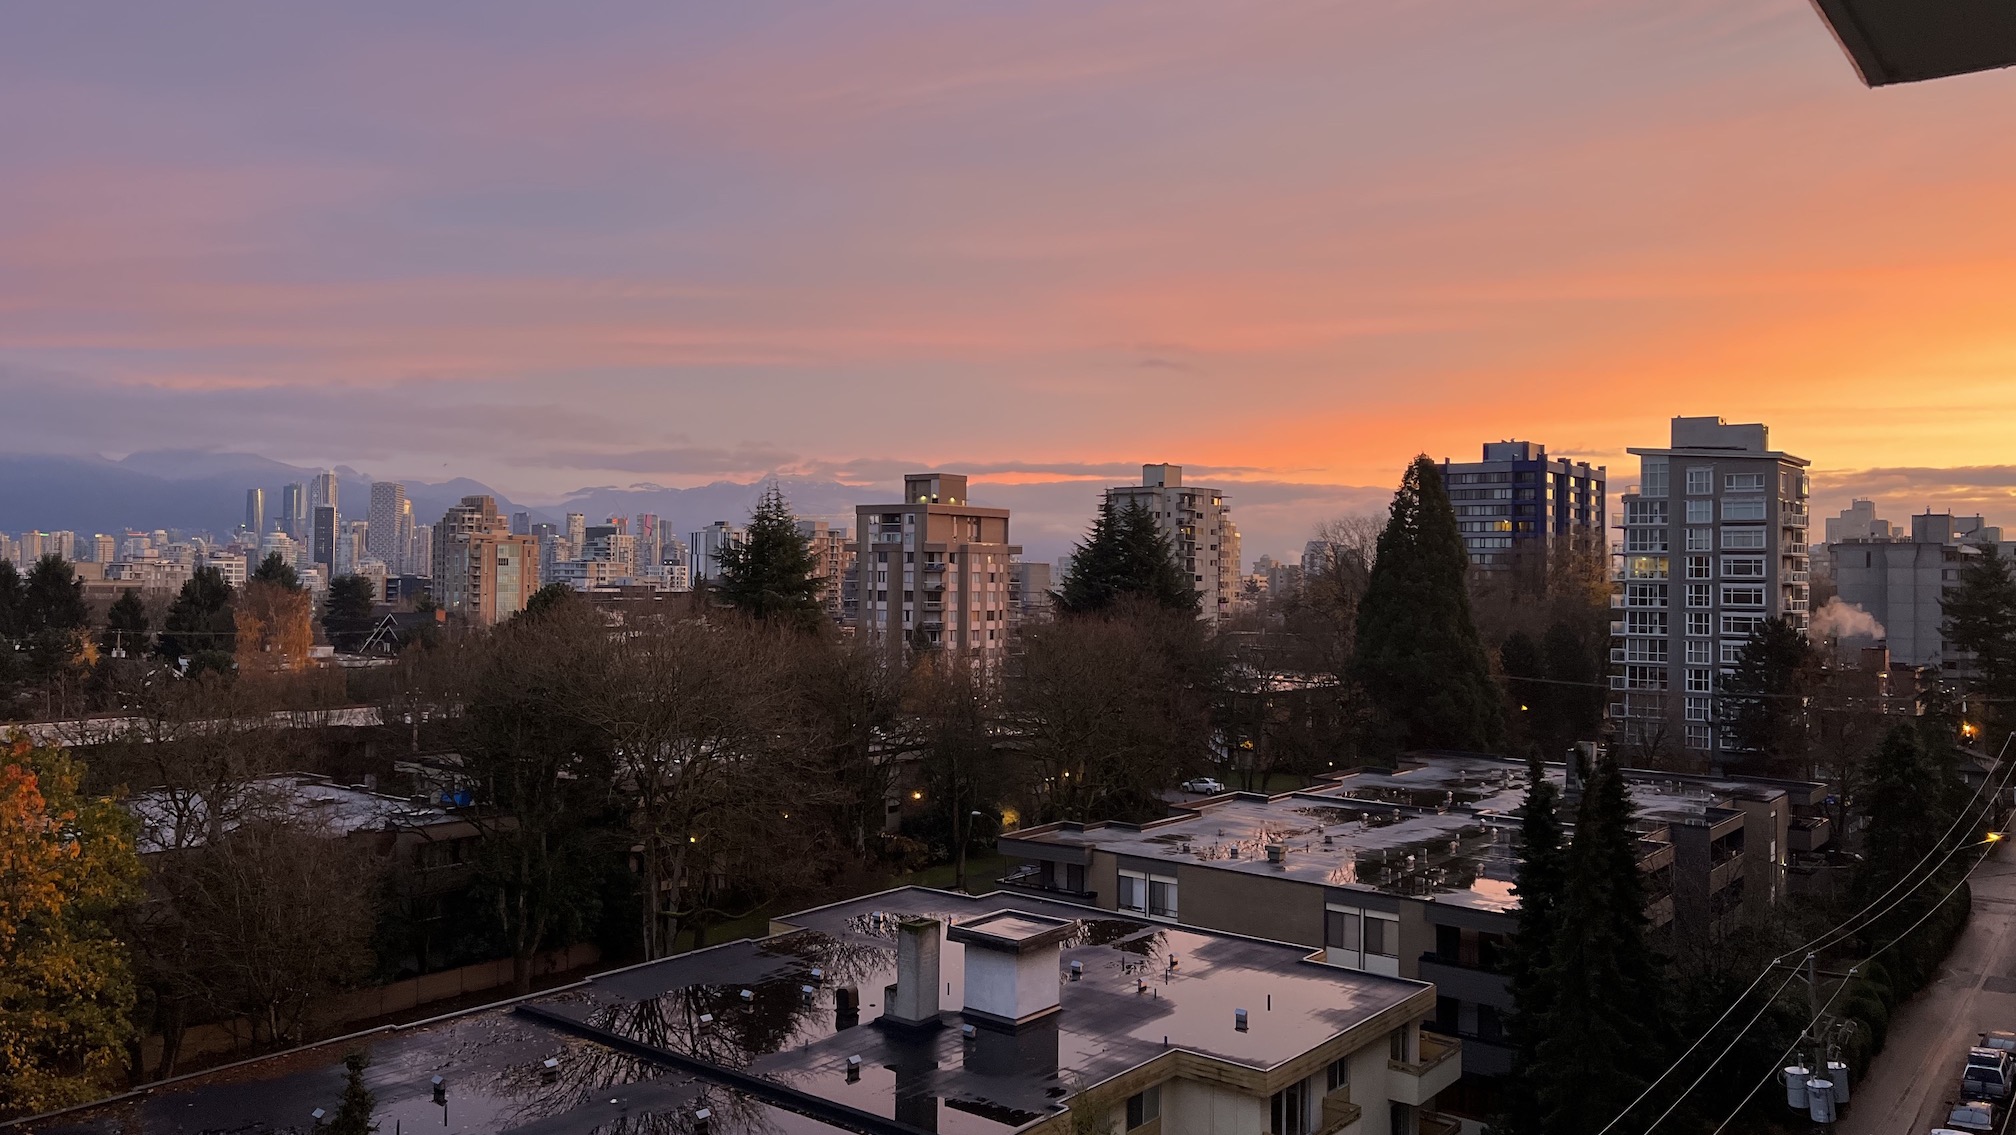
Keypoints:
pixel 708 544
pixel 1901 580
pixel 832 562
pixel 1714 545
pixel 104 549
pixel 322 539
pixel 391 532
pixel 1196 520
pixel 932 571
pixel 481 569
pixel 521 524
pixel 322 490
pixel 1517 499
pixel 577 531
pixel 650 534
pixel 255 511
pixel 420 554
pixel 294 510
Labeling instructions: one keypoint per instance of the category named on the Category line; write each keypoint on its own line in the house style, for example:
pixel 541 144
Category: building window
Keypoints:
pixel 1700 567
pixel 1700 595
pixel 1700 652
pixel 1742 595
pixel 1645 677
pixel 1644 539
pixel 1743 483
pixel 1340 929
pixel 1382 934
pixel 1700 539
pixel 1698 736
pixel 1742 537
pixel 1161 897
pixel 1701 681
pixel 1741 626
pixel 1744 508
pixel 1645 512
pixel 1698 709
pixel 1645 623
pixel 1700 481
pixel 1652 477
pixel 1133 893
pixel 1645 595
pixel 1290 1110
pixel 1732 651
pixel 1644 650
pixel 1700 622
pixel 1742 567
pixel 1143 1106
pixel 1337 1074
pixel 1701 512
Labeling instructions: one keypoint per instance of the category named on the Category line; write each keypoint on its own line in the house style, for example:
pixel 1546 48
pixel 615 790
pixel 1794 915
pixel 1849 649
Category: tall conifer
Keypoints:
pixel 1419 657
pixel 772 576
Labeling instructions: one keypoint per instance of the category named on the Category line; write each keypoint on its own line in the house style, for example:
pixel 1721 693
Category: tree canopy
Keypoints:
pixel 275 569
pixel 1765 704
pixel 201 625
pixel 53 598
pixel 1126 554
pixel 772 576
pixel 66 990
pixel 1418 654
pixel 1980 619
pixel 1530 973
pixel 346 612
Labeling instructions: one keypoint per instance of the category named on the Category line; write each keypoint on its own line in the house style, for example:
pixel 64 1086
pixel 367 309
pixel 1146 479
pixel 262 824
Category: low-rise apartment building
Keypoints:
pixel 1410 873
pixel 894 1014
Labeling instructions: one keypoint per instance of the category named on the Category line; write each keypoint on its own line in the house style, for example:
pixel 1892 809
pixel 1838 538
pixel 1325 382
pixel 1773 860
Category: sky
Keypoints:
pixel 1287 245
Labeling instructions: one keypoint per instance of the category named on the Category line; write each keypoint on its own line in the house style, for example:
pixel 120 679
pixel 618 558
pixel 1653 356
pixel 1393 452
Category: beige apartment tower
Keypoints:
pixel 1199 525
pixel 481 570
pixel 932 571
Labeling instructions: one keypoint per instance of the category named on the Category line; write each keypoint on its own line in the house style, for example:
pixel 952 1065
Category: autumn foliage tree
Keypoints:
pixel 275 626
pixel 67 864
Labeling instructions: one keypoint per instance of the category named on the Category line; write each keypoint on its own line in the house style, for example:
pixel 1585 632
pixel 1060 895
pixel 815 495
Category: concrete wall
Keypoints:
pixel 1234 901
pixel 1190 1107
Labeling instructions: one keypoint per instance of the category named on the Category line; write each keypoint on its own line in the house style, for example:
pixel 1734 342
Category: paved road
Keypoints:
pixel 1976 991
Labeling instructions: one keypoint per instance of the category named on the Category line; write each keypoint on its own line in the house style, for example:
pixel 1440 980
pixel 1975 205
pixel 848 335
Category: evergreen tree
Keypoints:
pixel 1530 975
pixel 1764 702
pixel 53 599
pixel 1419 658
pixel 276 570
pixel 548 598
pixel 201 625
pixel 353 1115
pixel 13 601
pixel 1600 1042
pixel 1126 553
pixel 1980 618
pixel 773 576
pixel 346 613
pixel 1905 800
pixel 126 625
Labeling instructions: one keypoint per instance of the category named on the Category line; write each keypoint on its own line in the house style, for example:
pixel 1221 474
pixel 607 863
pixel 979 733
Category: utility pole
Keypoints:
pixel 1819 1065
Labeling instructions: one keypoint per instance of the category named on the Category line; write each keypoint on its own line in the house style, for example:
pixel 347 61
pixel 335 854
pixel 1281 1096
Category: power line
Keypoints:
pixel 1822 941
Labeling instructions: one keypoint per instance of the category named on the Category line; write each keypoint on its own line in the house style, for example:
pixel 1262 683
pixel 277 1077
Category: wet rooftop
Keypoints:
pixel 166 821
pixel 641 1049
pixel 1441 829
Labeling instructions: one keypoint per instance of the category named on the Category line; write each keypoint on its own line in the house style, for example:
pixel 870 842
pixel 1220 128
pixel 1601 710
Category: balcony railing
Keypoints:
pixel 1418 1081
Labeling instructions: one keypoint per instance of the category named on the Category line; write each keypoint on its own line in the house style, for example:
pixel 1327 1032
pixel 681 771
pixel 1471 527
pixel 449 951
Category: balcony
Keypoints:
pixel 1616 654
pixel 1029 878
pixel 1339 1112
pixel 1617 682
pixel 1790 518
pixel 1417 1082
pixel 932 568
pixel 1809 833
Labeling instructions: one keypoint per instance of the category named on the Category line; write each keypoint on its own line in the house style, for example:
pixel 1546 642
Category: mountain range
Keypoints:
pixel 204 491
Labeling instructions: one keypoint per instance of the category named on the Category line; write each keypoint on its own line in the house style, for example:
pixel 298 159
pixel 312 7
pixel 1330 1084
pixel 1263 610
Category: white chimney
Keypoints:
pixel 913 1000
pixel 1012 965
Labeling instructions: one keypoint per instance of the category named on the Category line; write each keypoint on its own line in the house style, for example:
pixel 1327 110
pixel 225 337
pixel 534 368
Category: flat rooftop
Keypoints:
pixel 753 1029
pixel 1441 829
pixel 166 821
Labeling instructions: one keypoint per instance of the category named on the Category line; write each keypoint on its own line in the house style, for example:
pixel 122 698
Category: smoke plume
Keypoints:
pixel 1838 620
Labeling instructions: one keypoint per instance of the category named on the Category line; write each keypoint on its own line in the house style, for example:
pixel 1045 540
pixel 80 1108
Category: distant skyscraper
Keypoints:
pixel 255 511
pixel 104 549
pixel 708 544
pixel 322 539
pixel 391 531
pixel 294 510
pixel 521 524
pixel 649 534
pixel 322 490
pixel 577 531
pixel 420 557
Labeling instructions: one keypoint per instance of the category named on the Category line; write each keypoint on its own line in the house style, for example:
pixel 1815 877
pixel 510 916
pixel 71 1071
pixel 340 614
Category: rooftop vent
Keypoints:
pixel 913 1000
pixel 1011 965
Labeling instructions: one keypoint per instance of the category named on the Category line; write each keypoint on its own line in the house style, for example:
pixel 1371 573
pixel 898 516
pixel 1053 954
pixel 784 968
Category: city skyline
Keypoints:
pixel 1372 259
